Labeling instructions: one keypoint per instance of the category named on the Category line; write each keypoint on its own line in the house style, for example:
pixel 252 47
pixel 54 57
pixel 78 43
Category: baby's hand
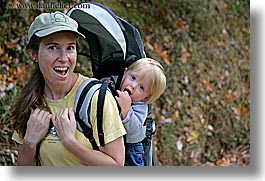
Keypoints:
pixel 124 100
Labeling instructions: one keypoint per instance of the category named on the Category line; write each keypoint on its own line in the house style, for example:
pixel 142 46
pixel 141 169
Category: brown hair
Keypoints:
pixel 31 96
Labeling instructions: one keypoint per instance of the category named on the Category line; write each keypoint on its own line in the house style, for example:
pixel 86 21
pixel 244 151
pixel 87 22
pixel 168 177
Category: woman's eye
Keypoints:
pixel 71 48
pixel 52 47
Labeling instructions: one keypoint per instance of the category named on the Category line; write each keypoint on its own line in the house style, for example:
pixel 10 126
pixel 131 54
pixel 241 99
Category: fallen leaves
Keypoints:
pixel 159 48
pixel 179 23
pixel 9 44
pixel 165 57
pixel 9 76
pixel 184 55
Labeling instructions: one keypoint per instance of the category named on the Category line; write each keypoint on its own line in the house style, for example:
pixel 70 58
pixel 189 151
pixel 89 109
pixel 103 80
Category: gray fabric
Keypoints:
pixel 134 122
pixel 83 110
pixel 100 22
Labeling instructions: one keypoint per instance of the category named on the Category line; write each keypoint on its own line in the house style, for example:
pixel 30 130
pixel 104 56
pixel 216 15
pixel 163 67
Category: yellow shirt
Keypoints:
pixel 52 151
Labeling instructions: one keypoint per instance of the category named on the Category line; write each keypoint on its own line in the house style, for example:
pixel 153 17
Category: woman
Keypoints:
pixel 43 117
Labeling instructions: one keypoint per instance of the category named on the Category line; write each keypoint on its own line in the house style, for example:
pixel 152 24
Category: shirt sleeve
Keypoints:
pixel 136 117
pixel 112 125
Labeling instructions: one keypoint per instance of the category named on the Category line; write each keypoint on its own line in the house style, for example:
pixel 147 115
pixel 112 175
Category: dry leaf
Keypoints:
pixel 193 137
pixel 179 145
pixel 207 84
pixel 9 44
pixel 241 110
pixel 230 96
pixel 1 51
pixel 179 23
pixel 165 57
pixel 175 116
pixel 184 55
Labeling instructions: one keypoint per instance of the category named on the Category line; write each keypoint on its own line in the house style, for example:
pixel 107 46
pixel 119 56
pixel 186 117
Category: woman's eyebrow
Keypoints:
pixel 55 43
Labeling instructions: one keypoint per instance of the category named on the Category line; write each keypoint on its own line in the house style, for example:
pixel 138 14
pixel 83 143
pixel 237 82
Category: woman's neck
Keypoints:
pixel 56 92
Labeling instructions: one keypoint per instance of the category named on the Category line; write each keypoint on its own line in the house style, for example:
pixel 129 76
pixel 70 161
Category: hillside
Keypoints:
pixel 203 118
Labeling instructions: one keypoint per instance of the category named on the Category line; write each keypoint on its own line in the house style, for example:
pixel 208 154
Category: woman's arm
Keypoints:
pixel 111 154
pixel 26 155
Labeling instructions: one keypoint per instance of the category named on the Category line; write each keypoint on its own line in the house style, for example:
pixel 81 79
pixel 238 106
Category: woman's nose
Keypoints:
pixel 63 55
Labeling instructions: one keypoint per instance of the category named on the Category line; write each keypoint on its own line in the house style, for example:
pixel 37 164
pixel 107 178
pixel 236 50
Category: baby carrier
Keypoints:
pixel 114 44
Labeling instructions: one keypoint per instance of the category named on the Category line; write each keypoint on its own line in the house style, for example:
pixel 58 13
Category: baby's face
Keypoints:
pixel 137 87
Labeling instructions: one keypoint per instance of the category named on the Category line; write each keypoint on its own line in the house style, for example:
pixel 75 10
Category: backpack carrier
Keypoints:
pixel 114 44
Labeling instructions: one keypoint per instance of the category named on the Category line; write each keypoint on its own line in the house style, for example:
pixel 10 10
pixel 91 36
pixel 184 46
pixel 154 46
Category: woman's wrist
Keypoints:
pixel 69 143
pixel 27 141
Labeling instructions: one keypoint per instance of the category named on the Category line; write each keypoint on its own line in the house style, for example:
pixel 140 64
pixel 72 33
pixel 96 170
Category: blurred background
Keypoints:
pixel 203 117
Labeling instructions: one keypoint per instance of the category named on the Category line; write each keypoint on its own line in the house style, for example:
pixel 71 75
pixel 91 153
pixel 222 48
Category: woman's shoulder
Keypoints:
pixel 81 77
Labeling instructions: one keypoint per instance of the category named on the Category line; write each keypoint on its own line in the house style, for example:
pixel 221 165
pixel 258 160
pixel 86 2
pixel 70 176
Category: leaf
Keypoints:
pixel 241 110
pixel 148 46
pixel 193 137
pixel 207 84
pixel 175 116
pixel 4 57
pixel 164 56
pixel 179 23
pixel 230 96
pixel 9 45
pixel 1 51
pixel 179 145
pixel 166 120
pixel 184 55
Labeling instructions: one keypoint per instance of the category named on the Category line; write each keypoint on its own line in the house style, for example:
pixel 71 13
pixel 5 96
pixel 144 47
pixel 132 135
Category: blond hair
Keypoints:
pixel 152 71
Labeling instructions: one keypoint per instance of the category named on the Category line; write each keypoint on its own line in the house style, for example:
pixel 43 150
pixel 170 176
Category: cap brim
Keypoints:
pixel 48 31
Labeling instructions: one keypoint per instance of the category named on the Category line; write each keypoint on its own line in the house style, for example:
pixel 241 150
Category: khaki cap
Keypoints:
pixel 48 23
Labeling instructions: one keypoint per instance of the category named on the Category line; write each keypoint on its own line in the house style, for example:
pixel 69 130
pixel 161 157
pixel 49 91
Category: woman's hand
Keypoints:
pixel 65 125
pixel 37 126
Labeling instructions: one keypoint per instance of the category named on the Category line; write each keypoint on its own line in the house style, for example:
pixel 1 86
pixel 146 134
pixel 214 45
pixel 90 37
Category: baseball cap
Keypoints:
pixel 48 23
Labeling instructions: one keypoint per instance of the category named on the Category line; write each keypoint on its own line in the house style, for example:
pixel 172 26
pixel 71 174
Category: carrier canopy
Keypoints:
pixel 113 42
pixel 105 36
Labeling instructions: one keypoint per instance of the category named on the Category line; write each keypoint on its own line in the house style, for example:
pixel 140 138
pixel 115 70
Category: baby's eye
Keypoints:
pixel 142 87
pixel 133 77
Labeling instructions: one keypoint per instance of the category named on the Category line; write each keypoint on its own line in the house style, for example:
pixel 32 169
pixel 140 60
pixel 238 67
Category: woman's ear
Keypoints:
pixel 33 54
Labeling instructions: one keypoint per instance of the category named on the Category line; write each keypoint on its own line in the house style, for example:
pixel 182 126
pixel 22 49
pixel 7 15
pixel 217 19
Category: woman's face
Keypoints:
pixel 57 58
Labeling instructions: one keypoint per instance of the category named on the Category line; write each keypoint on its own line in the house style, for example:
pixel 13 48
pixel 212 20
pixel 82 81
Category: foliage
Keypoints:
pixel 203 118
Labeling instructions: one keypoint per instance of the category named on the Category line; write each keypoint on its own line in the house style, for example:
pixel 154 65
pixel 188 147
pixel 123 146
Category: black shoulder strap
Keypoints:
pixel 100 104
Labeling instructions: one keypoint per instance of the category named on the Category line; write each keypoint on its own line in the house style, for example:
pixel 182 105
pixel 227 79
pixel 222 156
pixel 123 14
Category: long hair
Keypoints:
pixel 31 96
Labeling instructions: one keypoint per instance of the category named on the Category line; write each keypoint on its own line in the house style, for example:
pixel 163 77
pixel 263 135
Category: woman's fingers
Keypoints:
pixel 38 125
pixel 65 124
pixel 71 114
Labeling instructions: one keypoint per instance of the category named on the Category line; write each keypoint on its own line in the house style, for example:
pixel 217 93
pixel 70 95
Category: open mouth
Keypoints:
pixel 61 70
pixel 129 92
